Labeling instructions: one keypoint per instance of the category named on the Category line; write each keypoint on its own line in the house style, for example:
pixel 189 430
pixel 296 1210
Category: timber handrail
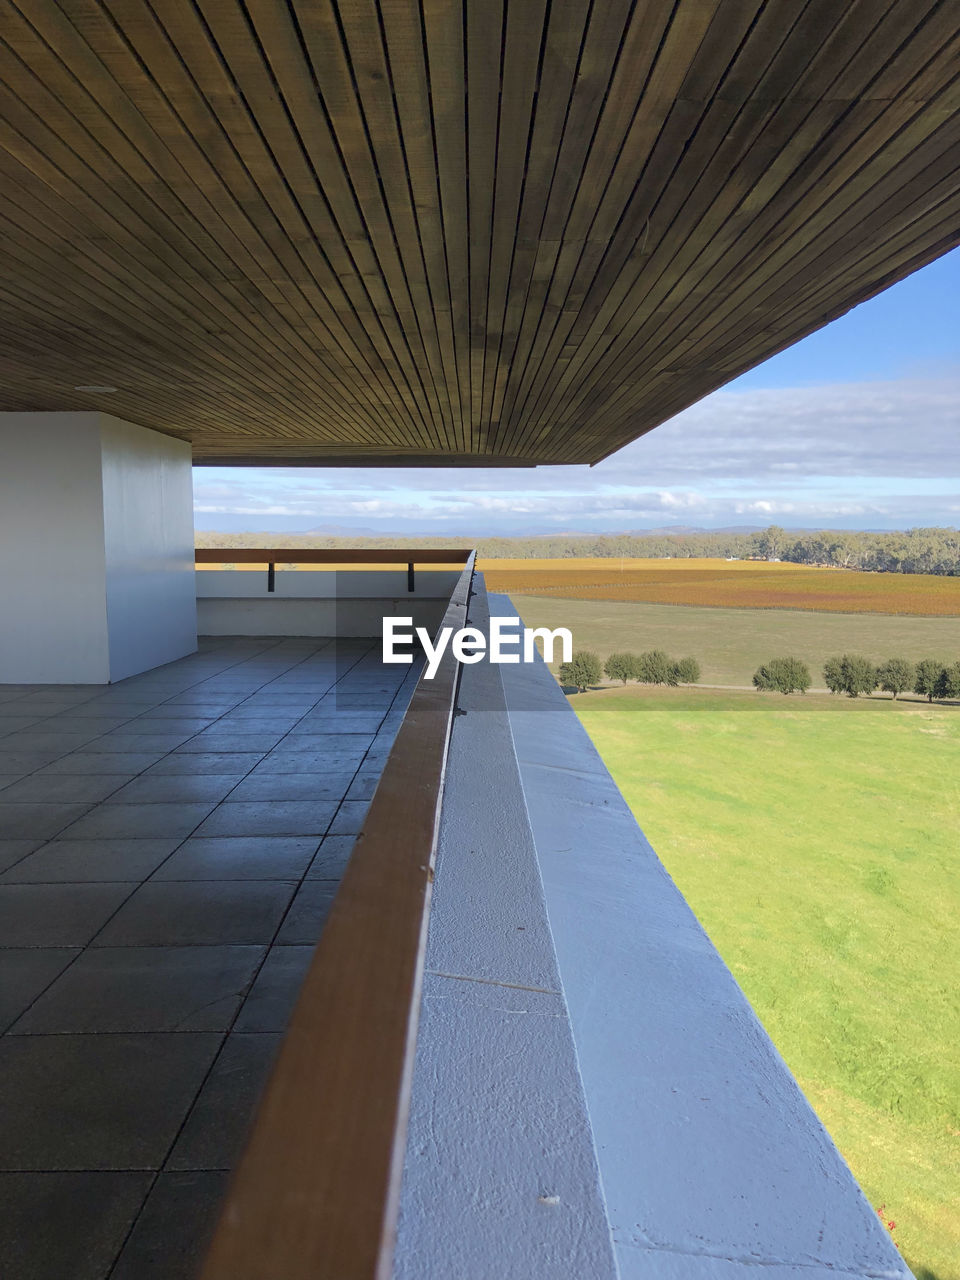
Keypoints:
pixel 272 556
pixel 316 1193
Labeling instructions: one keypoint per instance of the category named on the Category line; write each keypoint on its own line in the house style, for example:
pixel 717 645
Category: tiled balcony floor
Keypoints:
pixel 169 848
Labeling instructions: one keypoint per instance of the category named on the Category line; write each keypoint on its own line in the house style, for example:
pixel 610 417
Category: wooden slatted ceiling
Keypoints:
pixel 488 231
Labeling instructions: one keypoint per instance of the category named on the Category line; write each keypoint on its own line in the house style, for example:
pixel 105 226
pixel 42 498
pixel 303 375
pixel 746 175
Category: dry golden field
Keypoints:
pixel 731 584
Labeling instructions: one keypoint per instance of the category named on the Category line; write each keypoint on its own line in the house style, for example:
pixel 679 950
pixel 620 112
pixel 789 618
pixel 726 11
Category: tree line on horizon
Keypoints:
pixel 932 550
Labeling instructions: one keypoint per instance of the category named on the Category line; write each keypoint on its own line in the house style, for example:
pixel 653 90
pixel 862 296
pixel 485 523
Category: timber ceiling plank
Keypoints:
pixel 482 231
pixel 443 41
pixel 406 62
pixel 534 257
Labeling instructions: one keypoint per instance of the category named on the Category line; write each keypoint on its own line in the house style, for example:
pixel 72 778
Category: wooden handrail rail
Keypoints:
pixel 272 556
pixel 316 1193
pixel 331 555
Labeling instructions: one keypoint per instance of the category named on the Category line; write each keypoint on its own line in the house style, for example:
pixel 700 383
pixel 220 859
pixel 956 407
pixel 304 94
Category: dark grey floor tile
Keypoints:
pixel 89 725
pixel 13 724
pixel 36 821
pixel 78 861
pixel 350 817
pixel 64 788
pixel 343 722
pixel 270 1001
pixel 279 703
pixel 372 766
pixel 199 912
pixel 237 722
pixel 56 915
pixel 11 851
pixel 20 761
pixel 269 818
pixel 188 705
pixel 124 709
pixel 24 973
pixel 214 740
pixel 46 740
pixel 293 762
pixel 363 788
pixel 59 697
pixel 308 913
pixel 316 785
pixel 102 762
pixel 116 821
pixel 136 743
pixel 145 989
pixel 186 726
pixel 235 763
pixel 369 708
pixel 97 1101
pixel 173 1233
pixel 240 858
pixel 66 1226
pixel 307 738
pixel 175 788
pixel 217 1126
pixel 332 858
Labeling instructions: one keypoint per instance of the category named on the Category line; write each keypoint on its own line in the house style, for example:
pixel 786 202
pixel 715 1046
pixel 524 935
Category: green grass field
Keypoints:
pixel 731 643
pixel 817 840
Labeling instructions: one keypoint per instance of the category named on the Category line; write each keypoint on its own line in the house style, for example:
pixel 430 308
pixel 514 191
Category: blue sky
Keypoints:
pixel 857 426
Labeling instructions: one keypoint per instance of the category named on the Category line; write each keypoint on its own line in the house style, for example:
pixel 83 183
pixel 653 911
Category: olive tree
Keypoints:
pixel 686 671
pixel 859 674
pixel 928 678
pixel 896 676
pixel 782 675
pixel 622 666
pixel 833 674
pixel 582 671
pixel 948 684
pixel 654 667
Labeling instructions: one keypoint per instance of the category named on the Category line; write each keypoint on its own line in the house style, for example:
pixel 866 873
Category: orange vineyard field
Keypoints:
pixel 737 584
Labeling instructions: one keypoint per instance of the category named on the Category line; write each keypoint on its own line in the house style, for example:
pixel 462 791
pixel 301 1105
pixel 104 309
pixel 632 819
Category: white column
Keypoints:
pixel 96 549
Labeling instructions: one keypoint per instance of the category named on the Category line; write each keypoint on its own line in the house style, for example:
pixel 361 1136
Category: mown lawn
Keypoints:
pixel 818 840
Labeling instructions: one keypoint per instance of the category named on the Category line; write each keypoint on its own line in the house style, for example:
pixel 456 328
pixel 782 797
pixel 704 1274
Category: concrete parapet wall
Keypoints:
pixel 593 1095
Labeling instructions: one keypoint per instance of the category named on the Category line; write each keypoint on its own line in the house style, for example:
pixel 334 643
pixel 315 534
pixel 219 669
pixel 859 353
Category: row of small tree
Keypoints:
pixel 854 674
pixel 654 667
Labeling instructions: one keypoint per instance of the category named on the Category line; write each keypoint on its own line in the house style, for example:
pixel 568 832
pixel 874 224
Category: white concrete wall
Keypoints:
pixel 320 602
pixel 96 558
pixel 148 539
pixel 53 613
pixel 326 584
